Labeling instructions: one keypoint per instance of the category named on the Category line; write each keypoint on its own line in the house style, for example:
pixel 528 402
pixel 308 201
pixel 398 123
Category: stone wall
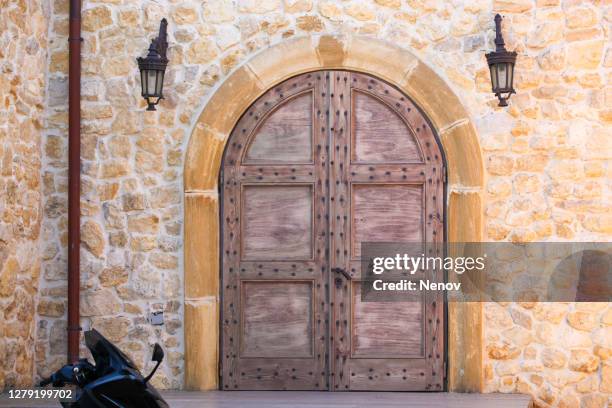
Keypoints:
pixel 546 159
pixel 23 61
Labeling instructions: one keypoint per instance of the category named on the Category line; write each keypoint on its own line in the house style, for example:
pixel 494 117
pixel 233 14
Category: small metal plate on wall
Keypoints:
pixel 157 318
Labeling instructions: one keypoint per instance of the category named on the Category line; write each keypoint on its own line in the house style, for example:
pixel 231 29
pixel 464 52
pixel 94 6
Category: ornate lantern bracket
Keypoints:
pixel 153 67
pixel 501 66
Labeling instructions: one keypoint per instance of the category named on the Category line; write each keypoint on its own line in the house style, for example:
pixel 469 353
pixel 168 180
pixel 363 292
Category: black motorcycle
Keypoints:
pixel 113 382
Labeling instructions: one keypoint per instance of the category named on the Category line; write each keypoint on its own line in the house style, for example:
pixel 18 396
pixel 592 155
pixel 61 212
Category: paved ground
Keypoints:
pixel 288 399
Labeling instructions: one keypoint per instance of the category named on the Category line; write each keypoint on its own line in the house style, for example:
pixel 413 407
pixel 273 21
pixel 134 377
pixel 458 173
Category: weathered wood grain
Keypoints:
pixel 277 222
pixel 285 135
pixel 276 319
pixel 379 135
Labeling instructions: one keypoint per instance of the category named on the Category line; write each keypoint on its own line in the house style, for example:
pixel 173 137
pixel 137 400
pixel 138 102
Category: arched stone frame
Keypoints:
pixel 203 162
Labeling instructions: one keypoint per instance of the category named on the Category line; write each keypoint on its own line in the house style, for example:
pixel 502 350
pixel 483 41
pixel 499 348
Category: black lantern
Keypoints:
pixel 153 67
pixel 501 66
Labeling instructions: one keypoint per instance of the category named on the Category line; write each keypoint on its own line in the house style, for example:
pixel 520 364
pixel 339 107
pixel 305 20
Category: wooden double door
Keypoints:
pixel 318 165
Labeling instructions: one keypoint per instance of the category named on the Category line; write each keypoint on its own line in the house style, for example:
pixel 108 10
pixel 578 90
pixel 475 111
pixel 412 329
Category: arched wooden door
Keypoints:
pixel 319 164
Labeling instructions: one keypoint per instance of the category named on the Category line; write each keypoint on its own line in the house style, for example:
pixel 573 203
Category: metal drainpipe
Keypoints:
pixel 74 179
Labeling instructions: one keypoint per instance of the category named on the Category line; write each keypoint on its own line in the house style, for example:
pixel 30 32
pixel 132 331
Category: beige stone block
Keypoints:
pixel 500 165
pixel 388 62
pixel 331 51
pixel 435 97
pixel 499 188
pixel 113 276
pixel 298 6
pixel 8 276
pixel 143 224
pixel 99 303
pixel 129 18
pixel 521 318
pixel 594 401
pixel 96 18
pixel 465 318
pixel 606 318
pixel 203 159
pixel 218 11
pixel 552 59
pixel 230 101
pixel 465 217
pixel 568 400
pixel 184 15
pixel 59 62
pixel 580 17
pixel 92 238
pixel 330 10
pixel 550 312
pixel 310 23
pixel 201 51
pixel 151 140
pixel 201 245
pixel 113 328
pixel 585 54
pixel 360 11
pixel 502 351
pixel 598 223
pixel 512 6
pixel 496 231
pixel 164 261
pixel 603 353
pixel 93 112
pixel 284 60
pixel 587 384
pixel 258 6
pixel 201 345
pixel 526 183
pixel 553 358
pixel 50 308
pixel 599 144
pixel 114 168
pixel 583 361
pixel 606 378
pixel 518 336
pixel 464 160
pixel 143 243
pixel 116 66
pixel 545 34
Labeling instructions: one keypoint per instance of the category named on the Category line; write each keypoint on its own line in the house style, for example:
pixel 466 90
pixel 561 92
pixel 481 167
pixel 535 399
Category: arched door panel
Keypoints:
pixel 318 165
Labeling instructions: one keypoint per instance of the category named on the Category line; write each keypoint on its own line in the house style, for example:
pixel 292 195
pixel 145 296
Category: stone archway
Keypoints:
pixel 203 161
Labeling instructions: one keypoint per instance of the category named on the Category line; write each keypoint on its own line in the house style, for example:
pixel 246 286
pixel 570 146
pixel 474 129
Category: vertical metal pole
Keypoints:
pixel 74 179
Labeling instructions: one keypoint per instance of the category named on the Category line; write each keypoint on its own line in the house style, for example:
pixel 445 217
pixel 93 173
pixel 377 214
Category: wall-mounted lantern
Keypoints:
pixel 501 66
pixel 153 67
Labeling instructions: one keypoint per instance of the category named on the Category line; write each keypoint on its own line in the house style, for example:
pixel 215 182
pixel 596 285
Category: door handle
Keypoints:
pixel 343 272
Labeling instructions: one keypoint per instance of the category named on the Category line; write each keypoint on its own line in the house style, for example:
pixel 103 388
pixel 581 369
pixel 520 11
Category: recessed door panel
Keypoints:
pixel 386 213
pixel 379 135
pixel 285 135
pixel 277 222
pixel 386 329
pixel 277 319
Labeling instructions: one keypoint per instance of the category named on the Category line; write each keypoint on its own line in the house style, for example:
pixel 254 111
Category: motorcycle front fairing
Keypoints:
pixel 118 382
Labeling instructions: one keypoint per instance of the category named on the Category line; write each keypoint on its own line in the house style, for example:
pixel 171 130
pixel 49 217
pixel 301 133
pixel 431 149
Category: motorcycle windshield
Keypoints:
pixel 105 354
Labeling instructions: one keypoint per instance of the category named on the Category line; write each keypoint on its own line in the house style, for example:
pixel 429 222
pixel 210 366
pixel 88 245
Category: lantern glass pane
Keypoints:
pixel 151 76
pixel 502 75
pixel 160 83
pixel 510 75
pixel 493 76
pixel 143 82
